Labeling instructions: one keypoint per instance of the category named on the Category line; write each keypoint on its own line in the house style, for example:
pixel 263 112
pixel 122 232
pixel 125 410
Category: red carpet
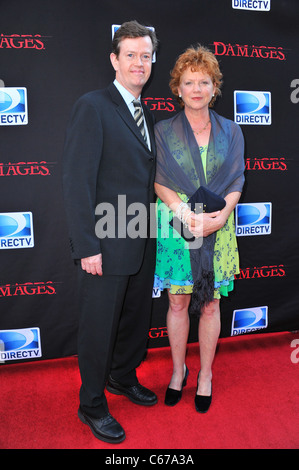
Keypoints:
pixel 255 402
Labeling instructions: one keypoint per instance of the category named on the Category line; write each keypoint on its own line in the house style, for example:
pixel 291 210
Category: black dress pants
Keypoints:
pixel 115 314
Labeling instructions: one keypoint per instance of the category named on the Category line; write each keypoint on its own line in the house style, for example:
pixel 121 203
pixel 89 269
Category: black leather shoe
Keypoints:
pixel 136 393
pixel 106 429
pixel 172 397
pixel 202 402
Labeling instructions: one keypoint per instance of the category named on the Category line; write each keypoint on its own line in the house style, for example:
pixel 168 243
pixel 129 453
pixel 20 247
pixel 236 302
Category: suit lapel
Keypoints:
pixel 127 117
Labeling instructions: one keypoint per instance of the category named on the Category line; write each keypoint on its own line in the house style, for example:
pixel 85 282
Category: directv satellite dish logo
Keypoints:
pixel 248 320
pixel 13 106
pixel 253 219
pixel 252 107
pixel 16 230
pixel 20 344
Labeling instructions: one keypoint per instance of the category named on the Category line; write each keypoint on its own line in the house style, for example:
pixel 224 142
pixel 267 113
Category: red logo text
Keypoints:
pixel 21 41
pixel 160 104
pixel 262 272
pixel 258 52
pixel 25 169
pixel 28 288
pixel 266 164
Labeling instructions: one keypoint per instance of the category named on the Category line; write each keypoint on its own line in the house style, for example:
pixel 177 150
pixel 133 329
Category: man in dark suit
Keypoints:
pixel 109 165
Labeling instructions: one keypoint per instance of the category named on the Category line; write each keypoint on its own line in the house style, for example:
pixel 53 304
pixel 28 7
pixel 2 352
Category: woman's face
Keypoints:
pixel 196 89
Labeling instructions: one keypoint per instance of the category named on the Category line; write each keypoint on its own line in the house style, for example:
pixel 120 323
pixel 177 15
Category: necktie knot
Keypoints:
pixel 137 104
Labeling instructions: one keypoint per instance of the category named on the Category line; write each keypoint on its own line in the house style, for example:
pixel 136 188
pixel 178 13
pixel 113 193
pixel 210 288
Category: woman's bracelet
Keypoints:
pixel 182 212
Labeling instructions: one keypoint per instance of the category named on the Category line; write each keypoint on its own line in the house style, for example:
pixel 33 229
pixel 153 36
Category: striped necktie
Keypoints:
pixel 138 116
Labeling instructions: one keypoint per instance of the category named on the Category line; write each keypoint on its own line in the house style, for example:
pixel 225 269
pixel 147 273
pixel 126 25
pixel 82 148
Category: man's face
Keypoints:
pixel 134 63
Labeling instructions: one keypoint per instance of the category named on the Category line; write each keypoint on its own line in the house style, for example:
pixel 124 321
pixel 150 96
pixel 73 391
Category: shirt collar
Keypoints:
pixel 127 96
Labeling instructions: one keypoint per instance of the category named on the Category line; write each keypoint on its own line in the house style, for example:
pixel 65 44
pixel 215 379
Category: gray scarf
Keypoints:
pixel 179 167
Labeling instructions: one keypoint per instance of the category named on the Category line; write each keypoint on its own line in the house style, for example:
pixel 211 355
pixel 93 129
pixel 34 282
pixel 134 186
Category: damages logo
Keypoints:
pixel 161 104
pixel 266 164
pixel 250 52
pixel 26 168
pixel 28 288
pixel 22 41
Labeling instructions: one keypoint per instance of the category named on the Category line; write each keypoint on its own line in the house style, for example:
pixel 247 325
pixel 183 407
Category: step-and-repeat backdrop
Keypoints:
pixel 52 52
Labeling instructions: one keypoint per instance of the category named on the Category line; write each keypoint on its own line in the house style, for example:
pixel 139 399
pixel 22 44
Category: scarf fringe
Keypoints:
pixel 203 292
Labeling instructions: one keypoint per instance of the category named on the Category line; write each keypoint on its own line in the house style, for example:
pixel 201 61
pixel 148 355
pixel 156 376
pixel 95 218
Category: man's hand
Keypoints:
pixel 92 264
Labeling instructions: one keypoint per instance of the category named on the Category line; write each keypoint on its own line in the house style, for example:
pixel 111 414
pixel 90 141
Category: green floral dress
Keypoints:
pixel 173 267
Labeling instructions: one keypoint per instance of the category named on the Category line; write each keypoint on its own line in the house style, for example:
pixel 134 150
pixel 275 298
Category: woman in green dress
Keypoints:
pixel 196 148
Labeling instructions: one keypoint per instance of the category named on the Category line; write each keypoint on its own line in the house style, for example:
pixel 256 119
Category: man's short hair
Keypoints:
pixel 132 29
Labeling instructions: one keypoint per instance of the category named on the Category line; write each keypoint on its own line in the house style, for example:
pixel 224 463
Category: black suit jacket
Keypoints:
pixel 105 156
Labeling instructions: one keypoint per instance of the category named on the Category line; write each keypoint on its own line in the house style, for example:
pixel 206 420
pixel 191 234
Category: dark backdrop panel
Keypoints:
pixel 67 54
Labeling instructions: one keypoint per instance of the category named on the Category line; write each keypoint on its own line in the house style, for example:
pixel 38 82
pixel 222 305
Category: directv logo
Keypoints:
pixel 252 107
pixel 16 230
pixel 13 106
pixel 20 344
pixel 248 320
pixel 253 219
pixel 255 5
pixel 156 293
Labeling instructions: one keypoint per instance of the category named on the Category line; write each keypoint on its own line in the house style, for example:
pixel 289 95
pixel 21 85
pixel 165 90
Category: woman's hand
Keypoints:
pixel 202 225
